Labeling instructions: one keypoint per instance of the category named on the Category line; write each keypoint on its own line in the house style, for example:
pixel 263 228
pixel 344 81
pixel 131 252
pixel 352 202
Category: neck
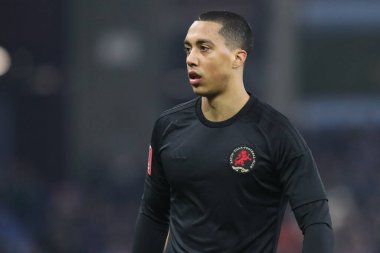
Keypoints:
pixel 225 105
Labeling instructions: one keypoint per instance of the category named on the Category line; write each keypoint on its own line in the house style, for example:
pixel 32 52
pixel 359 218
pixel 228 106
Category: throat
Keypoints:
pixel 220 109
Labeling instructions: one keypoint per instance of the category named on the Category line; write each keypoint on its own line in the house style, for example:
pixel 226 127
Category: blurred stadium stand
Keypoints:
pixel 82 82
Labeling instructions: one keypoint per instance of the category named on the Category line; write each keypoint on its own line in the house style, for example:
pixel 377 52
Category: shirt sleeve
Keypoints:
pixel 153 218
pixel 297 170
pixel 301 180
pixel 318 238
pixel 315 222
pixel 303 187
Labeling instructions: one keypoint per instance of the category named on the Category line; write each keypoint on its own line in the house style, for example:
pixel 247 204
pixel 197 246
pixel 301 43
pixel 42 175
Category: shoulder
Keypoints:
pixel 270 118
pixel 179 109
pixel 281 132
pixel 183 112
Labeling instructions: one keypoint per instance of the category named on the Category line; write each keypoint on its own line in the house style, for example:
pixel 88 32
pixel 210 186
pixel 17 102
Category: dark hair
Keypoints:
pixel 235 29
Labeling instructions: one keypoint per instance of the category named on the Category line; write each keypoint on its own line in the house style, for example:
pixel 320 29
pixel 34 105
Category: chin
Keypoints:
pixel 204 93
pixel 200 92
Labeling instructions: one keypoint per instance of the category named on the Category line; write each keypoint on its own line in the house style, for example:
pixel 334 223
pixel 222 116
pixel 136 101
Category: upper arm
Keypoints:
pixel 301 180
pixel 316 212
pixel 156 197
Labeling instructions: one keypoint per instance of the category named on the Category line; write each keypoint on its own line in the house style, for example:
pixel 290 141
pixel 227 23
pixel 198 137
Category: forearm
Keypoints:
pixel 150 235
pixel 318 238
pixel 315 222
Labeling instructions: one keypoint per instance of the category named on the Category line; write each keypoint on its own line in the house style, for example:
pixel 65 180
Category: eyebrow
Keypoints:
pixel 199 42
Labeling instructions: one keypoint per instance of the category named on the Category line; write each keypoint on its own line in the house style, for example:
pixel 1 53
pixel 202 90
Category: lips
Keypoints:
pixel 194 75
pixel 194 78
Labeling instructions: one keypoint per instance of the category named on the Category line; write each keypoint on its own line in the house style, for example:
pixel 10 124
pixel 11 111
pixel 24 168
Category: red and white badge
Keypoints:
pixel 150 161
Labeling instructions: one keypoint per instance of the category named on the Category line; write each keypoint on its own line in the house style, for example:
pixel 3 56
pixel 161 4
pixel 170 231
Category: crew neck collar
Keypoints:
pixel 226 122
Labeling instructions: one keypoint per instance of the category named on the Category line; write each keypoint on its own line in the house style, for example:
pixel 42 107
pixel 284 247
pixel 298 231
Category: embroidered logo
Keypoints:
pixel 242 159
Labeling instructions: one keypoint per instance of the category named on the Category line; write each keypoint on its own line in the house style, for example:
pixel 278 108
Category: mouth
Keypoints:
pixel 194 78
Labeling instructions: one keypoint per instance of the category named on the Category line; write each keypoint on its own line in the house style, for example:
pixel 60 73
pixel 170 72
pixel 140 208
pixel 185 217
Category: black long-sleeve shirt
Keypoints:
pixel 223 186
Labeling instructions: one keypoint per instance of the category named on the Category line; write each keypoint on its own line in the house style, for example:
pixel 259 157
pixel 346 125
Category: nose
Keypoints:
pixel 192 58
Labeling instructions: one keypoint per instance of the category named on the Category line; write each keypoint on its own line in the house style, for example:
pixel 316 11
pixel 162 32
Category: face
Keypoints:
pixel 209 61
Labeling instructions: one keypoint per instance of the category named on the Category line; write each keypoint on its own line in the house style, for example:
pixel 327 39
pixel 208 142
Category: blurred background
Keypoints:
pixel 82 82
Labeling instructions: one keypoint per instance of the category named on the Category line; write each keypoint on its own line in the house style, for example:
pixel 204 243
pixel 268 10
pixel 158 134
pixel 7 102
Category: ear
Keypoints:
pixel 240 57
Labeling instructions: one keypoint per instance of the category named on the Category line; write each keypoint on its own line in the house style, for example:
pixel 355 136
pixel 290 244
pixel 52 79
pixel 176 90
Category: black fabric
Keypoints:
pixel 153 220
pixel 223 186
pixel 315 222
pixel 318 238
pixel 316 212
pixel 150 235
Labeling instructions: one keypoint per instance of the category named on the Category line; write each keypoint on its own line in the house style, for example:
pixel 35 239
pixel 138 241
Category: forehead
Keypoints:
pixel 204 30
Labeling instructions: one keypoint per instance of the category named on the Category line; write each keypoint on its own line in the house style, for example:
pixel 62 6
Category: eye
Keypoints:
pixel 204 48
pixel 187 50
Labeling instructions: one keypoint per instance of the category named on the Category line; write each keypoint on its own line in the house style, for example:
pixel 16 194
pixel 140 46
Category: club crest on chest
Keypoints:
pixel 242 159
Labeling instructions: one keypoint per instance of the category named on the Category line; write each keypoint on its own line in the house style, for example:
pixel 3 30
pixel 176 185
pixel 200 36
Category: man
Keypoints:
pixel 223 166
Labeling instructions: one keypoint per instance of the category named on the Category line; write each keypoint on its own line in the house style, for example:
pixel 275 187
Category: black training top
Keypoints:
pixel 223 186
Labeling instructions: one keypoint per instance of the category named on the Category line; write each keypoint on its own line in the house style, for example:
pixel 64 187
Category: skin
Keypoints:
pixel 220 69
